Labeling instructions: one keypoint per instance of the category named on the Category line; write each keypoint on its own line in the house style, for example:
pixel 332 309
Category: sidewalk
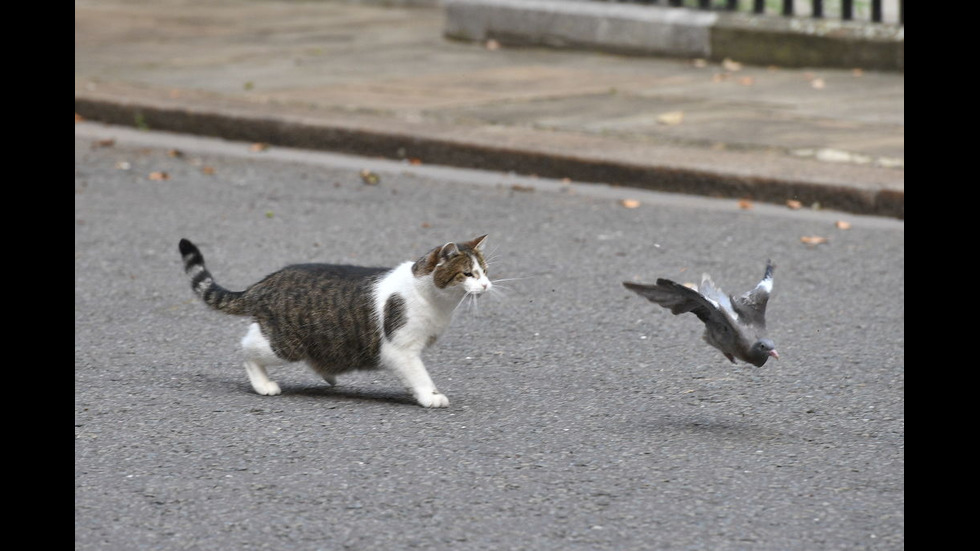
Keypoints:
pixel 384 81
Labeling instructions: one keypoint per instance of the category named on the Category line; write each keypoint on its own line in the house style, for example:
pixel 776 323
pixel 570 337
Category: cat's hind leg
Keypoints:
pixel 325 373
pixel 258 355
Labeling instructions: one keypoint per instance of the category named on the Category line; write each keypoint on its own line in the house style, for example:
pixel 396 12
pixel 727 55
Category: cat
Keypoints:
pixel 339 318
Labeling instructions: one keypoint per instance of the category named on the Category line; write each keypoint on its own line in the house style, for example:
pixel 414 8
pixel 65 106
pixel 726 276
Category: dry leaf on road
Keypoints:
pixel 369 177
pixel 730 65
pixel 842 225
pixel 813 239
pixel 794 204
pixel 671 118
pixel 630 203
pixel 159 176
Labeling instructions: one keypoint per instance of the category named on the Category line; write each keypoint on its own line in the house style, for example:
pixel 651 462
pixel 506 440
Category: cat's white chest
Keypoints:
pixel 426 311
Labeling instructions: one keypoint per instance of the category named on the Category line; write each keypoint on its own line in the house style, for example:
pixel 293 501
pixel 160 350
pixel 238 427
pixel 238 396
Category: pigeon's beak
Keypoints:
pixel 774 354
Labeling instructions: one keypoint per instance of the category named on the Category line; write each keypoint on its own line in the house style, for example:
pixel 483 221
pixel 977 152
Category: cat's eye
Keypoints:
pixel 468 274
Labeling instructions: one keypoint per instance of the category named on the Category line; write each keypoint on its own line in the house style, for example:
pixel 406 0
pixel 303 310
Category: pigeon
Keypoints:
pixel 734 325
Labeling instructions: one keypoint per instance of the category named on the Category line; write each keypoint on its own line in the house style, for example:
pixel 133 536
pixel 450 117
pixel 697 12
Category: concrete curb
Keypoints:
pixel 678 32
pixel 852 189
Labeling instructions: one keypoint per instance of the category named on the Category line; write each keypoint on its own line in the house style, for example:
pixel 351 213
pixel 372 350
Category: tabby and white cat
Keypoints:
pixel 338 318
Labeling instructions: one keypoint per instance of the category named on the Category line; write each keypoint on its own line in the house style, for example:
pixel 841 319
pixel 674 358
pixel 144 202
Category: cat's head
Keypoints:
pixel 456 266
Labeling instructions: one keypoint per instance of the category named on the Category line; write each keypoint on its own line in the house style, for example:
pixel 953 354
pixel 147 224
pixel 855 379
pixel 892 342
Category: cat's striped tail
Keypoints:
pixel 203 284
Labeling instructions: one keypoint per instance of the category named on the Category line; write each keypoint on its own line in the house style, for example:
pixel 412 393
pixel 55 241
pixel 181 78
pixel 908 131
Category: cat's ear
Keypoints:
pixel 425 265
pixel 448 251
pixel 477 243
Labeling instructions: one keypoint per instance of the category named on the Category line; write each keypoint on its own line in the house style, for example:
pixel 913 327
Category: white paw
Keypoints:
pixel 433 399
pixel 267 388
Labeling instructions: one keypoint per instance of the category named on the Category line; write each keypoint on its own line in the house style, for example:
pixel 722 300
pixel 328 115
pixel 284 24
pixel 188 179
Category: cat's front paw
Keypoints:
pixel 434 399
pixel 267 388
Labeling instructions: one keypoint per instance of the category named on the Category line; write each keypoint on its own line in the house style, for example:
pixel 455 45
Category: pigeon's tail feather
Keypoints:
pixel 708 287
pixel 712 292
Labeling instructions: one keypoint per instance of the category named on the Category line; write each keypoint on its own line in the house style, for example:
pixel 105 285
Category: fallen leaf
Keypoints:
pixel 794 204
pixel 857 72
pixel 268 214
pixel 369 177
pixel 730 65
pixel 108 142
pixel 415 162
pixel 813 239
pixel 492 45
pixel 745 204
pixel 700 63
pixel 719 77
pixel 426 225
pixel 630 203
pixel 842 225
pixel 175 153
pixel 209 170
pixel 159 176
pixel 518 187
pixel 671 118
pixel 746 81
pixel 174 93
pixel 123 165
pixel 258 146
pixel 566 180
pixel 818 83
pixel 79 118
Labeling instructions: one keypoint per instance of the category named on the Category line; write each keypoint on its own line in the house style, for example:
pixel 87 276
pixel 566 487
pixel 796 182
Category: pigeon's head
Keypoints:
pixel 761 351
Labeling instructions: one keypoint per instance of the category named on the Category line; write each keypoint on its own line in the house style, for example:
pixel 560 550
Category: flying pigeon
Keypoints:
pixel 734 325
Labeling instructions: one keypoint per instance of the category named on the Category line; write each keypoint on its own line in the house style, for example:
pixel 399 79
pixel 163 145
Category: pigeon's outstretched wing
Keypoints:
pixel 751 306
pixel 679 299
pixel 720 330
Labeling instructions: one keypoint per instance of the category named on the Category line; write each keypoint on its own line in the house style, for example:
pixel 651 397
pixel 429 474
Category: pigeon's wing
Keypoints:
pixel 680 299
pixel 751 306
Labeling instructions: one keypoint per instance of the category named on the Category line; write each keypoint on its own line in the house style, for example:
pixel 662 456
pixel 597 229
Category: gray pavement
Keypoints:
pixel 386 81
pixel 582 418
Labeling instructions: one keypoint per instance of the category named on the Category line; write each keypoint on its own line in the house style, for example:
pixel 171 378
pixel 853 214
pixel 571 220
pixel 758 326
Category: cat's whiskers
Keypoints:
pixel 470 298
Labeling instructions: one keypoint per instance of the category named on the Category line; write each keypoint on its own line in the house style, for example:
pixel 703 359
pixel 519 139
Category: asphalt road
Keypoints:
pixel 582 416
